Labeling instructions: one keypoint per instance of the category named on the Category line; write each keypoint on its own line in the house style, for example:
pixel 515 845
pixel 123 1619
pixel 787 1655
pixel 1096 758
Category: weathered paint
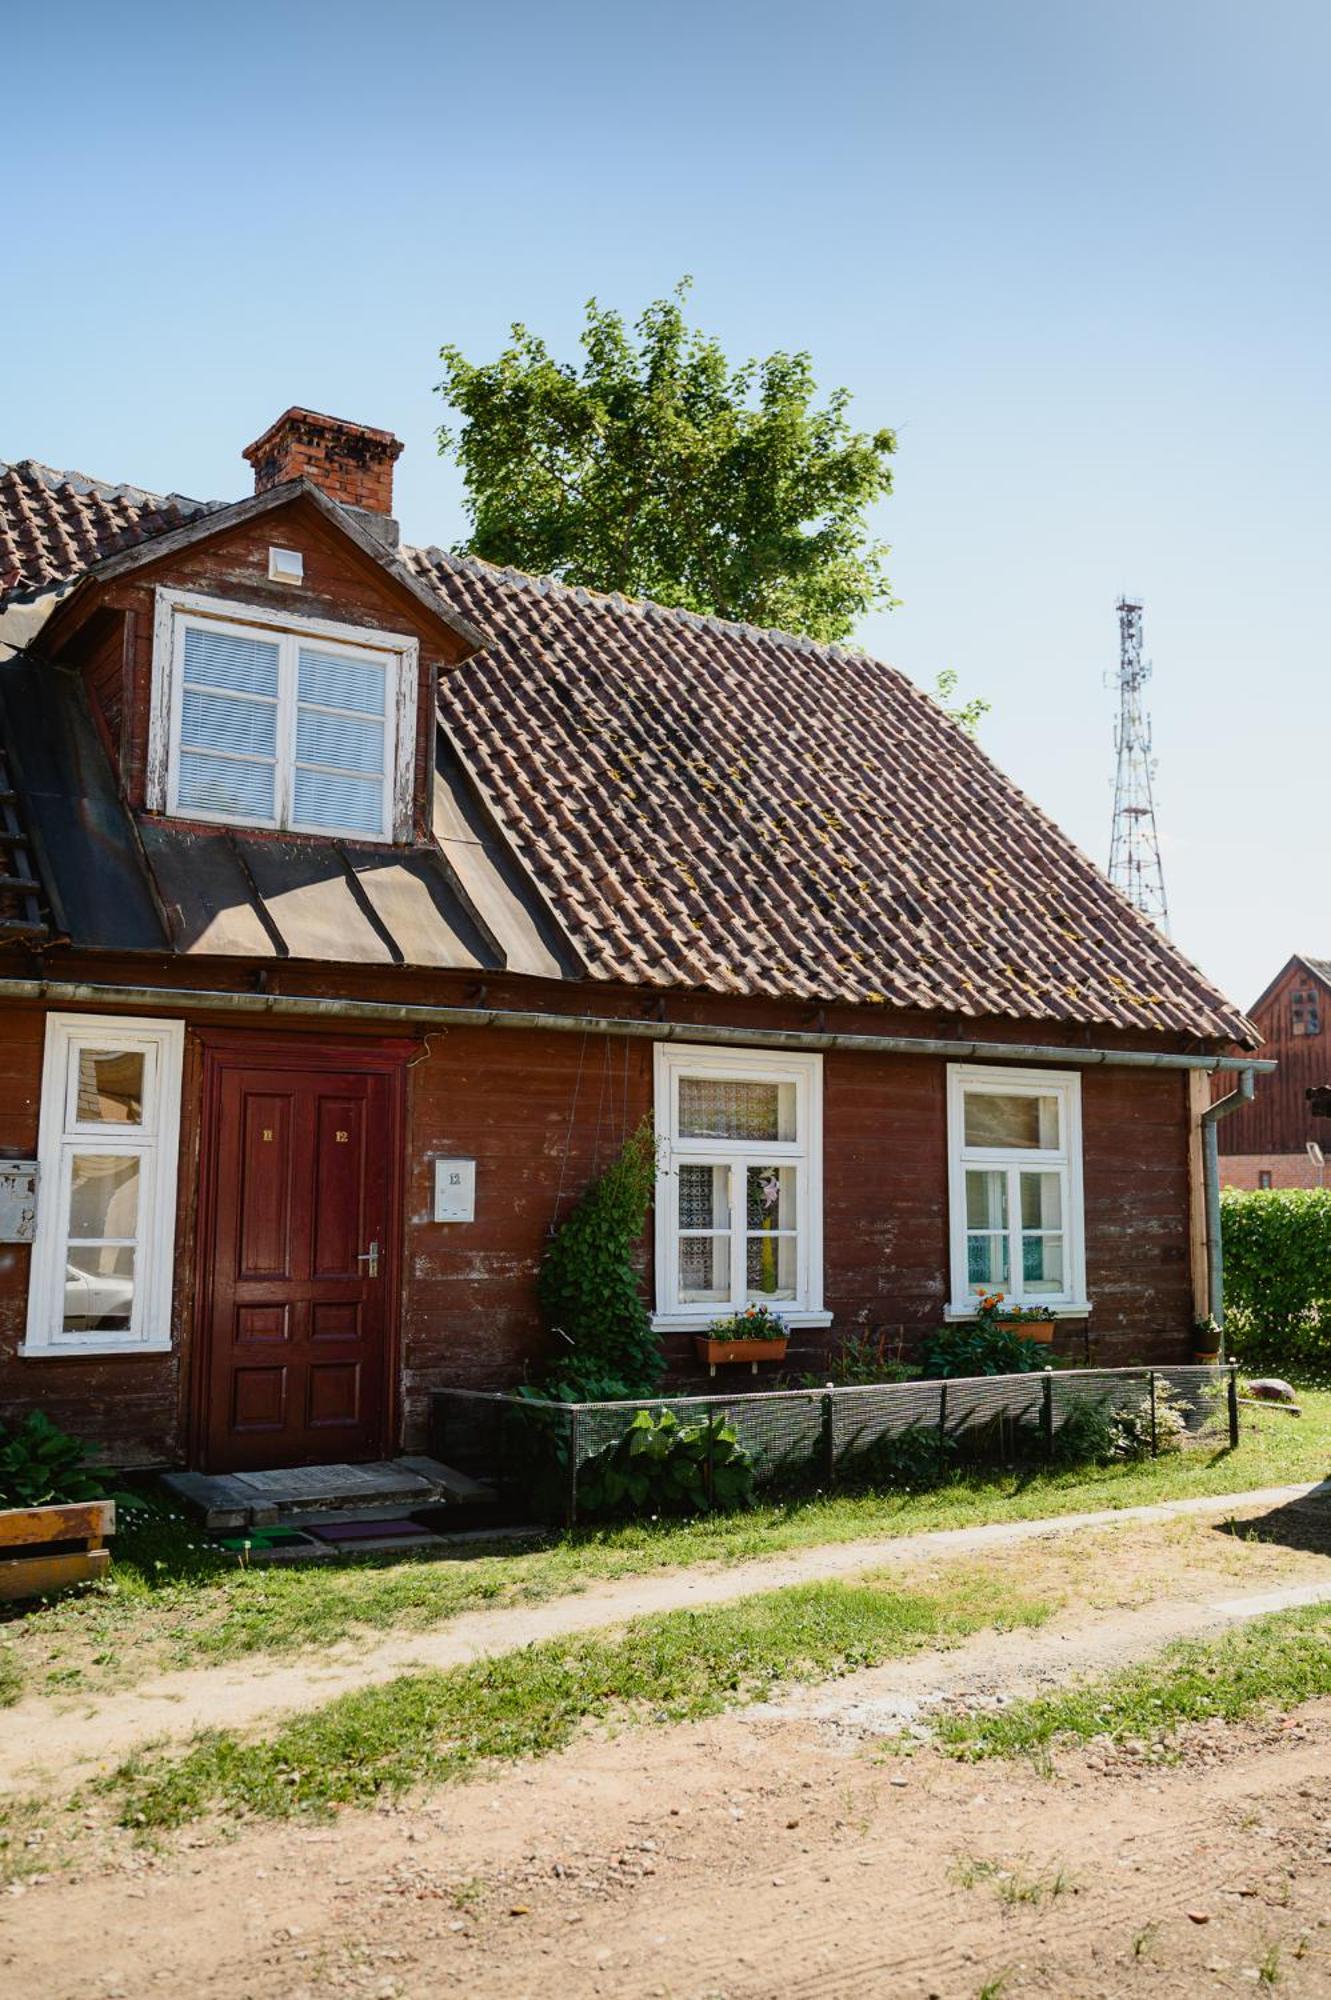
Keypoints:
pixel 538 1113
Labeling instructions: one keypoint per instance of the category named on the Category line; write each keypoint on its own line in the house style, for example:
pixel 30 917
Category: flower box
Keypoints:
pixel 716 1353
pixel 1035 1329
pixel 50 1548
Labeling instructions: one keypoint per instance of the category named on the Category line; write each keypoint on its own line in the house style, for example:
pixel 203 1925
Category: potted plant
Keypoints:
pixel 757 1334
pixel 1206 1342
pixel 55 1513
pixel 1028 1322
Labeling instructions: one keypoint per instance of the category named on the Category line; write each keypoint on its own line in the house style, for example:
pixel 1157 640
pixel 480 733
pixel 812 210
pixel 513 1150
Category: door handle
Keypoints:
pixel 370 1257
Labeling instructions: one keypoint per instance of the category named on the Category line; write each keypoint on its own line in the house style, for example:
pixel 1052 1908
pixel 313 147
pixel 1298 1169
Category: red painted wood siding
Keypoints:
pixel 1278 1119
pixel 513 1101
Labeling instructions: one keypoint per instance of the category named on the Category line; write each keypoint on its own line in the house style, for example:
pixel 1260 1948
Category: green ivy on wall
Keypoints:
pixel 589 1287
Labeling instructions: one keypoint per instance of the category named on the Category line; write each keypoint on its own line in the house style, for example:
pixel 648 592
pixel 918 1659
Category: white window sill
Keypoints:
pixel 95 1350
pixel 1077 1311
pixel 698 1322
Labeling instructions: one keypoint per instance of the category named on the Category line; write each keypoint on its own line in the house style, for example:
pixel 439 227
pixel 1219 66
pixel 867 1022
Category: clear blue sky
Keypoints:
pixel 1075 253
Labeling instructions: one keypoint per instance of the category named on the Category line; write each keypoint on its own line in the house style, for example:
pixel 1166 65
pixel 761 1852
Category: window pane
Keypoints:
pixel 103 1196
pixel 772 1267
pixel 735 1108
pixel 704 1197
pixel 225 660
pixel 771 1198
pixel 1042 1201
pixel 322 798
pixel 224 785
pixel 99 1289
pixel 987 1263
pixel 110 1087
pixel 704 1269
pixel 226 723
pixel 1041 1264
pixel 986 1198
pixel 1002 1118
pixel 331 682
pixel 340 740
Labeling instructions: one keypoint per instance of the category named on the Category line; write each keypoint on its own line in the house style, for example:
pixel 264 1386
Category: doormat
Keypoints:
pixel 367 1531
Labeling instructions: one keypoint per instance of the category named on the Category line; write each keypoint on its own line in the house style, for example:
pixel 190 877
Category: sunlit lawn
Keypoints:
pixel 169 1601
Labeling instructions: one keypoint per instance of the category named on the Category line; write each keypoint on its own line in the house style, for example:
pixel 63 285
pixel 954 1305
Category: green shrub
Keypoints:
pixel 42 1466
pixel 661 1466
pixel 1277 1247
pixel 862 1359
pixel 976 1348
pixel 910 1459
pixel 589 1287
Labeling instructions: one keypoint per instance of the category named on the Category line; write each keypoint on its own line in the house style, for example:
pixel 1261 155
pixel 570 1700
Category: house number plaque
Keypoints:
pixel 455 1190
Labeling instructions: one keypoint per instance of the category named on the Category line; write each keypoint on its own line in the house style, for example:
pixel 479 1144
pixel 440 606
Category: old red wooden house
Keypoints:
pixel 357 898
pixel 1281 1140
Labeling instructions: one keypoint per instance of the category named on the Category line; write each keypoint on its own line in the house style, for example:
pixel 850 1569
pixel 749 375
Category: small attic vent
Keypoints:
pixel 286 566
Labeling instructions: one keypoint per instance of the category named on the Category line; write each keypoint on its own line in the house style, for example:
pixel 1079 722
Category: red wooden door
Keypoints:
pixel 296 1301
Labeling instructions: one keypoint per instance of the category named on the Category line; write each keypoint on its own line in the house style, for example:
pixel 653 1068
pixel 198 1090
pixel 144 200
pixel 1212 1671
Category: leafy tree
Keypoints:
pixel 658 469
pixel 968 713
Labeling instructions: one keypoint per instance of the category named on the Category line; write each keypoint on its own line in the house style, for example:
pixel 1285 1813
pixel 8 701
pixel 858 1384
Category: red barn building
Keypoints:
pixel 357 899
pixel 1277 1141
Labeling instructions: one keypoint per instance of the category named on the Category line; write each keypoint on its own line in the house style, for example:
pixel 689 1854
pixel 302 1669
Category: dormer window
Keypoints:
pixel 298 724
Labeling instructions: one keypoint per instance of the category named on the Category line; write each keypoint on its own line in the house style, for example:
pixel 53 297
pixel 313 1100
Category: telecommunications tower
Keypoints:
pixel 1134 848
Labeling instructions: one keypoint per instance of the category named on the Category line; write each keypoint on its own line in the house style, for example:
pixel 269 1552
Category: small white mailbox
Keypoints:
pixel 455 1190
pixel 18 1201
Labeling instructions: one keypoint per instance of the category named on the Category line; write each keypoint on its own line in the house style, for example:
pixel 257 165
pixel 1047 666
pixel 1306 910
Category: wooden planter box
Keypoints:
pixel 716 1353
pixel 1036 1329
pixel 49 1548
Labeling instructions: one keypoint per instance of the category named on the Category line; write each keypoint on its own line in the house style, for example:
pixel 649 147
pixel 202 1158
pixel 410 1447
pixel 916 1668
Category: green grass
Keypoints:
pixel 11 1677
pixel 430 1728
pixel 169 1602
pixel 1274 1663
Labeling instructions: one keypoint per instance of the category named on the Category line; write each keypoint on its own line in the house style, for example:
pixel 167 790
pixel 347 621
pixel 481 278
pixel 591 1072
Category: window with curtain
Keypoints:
pixel 739 1193
pixel 285 729
pixel 1015 1187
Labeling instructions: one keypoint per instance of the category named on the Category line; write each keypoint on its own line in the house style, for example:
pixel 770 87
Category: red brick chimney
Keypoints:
pixel 349 462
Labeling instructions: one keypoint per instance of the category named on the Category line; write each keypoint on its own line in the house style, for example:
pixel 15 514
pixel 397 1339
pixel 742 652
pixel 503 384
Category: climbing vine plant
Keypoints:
pixel 589 1286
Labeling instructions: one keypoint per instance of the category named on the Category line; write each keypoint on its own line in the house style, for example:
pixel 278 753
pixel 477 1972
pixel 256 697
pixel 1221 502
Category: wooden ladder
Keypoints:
pixel 20 890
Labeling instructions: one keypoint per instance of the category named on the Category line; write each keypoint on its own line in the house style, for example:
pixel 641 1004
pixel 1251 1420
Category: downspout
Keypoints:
pixel 1215 1255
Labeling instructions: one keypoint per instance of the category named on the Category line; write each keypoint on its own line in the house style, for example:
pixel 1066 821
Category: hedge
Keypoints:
pixel 1277 1245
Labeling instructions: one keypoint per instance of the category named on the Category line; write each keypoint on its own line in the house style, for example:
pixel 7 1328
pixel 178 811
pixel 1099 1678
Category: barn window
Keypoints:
pixel 304 725
pixel 739 1187
pixel 1015 1192
pixel 106 1190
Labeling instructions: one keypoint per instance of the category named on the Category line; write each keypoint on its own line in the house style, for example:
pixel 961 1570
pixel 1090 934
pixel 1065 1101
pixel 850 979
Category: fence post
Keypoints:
pixel 710 1422
pixel 572 1508
pixel 1233 1405
pixel 1155 1441
pixel 829 1437
pixel 1047 1415
pixel 942 1427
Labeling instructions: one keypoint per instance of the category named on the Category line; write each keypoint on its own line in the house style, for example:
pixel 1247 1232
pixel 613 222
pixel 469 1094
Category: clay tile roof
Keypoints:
pixel 712 805
pixel 54 525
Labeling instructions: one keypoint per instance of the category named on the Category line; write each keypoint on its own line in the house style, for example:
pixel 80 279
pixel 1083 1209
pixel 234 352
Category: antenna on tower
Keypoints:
pixel 1134 848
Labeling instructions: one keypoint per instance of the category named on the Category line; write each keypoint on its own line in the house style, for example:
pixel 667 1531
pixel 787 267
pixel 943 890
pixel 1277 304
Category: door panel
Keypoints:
pixel 296 1314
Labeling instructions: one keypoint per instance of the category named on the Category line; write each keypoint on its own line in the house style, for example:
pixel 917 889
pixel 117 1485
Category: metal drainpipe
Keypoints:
pixel 1215 1256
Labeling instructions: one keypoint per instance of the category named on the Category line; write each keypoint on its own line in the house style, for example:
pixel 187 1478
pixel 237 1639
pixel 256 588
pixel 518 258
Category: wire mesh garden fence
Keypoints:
pixel 570 1461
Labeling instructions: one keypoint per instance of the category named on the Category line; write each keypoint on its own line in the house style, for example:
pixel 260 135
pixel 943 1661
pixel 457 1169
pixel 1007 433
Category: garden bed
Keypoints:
pixel 566 1461
pixel 49 1548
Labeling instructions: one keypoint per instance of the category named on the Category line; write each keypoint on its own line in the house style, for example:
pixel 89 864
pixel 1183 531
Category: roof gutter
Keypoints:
pixel 399 1014
pixel 1215 1252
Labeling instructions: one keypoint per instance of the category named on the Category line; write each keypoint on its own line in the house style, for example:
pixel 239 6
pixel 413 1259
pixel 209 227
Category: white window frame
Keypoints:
pixel 156 1141
pixel 1066 1161
pixel 177 610
pixel 674 1060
